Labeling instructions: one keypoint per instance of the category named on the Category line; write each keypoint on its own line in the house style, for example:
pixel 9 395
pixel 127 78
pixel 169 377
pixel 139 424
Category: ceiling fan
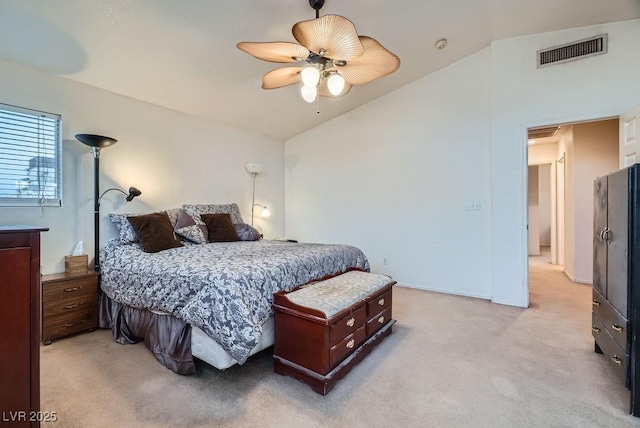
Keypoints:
pixel 336 57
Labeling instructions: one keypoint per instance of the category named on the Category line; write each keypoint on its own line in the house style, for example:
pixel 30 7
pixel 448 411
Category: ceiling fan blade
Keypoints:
pixel 323 90
pixel 374 63
pixel 275 51
pixel 281 77
pixel 333 33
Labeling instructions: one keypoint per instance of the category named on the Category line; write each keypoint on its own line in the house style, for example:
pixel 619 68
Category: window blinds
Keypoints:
pixel 30 157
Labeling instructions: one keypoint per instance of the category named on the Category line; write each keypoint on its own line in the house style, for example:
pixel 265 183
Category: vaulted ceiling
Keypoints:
pixel 182 54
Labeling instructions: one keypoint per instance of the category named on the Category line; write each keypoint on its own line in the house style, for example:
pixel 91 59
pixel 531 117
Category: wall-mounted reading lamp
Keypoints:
pixel 97 142
pixel 254 169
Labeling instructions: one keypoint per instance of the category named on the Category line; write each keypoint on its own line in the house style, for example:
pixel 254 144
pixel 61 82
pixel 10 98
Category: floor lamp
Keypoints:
pixel 254 169
pixel 97 142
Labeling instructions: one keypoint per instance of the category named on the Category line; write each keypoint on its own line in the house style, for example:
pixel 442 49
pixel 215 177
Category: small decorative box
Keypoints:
pixel 76 264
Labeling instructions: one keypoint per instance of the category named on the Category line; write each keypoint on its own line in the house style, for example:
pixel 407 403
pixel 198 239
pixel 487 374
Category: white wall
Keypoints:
pixel 544 203
pixel 172 157
pixel 596 154
pixel 542 153
pixel 533 224
pixel 524 96
pixel 392 177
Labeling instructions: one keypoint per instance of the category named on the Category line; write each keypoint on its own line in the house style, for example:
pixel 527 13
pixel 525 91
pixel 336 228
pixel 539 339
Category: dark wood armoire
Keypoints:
pixel 616 275
pixel 19 325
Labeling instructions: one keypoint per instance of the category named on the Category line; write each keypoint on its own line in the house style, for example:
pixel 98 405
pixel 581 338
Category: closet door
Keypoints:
pixel 599 243
pixel 617 239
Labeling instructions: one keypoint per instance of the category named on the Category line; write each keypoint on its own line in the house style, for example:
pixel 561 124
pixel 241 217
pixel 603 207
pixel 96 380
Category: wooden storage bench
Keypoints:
pixel 325 328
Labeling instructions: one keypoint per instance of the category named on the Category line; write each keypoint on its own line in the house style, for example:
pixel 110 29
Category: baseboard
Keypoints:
pixel 569 276
pixel 445 291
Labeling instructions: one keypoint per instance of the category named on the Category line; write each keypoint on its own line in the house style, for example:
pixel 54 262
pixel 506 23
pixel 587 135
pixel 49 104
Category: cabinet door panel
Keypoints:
pixel 599 245
pixel 618 217
pixel 15 330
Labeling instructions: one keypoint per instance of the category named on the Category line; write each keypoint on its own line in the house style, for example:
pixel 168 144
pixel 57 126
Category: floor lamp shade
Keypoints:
pixel 96 142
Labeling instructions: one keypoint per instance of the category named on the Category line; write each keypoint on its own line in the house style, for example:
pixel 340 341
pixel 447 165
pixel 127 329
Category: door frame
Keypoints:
pixel 553 178
pixel 524 164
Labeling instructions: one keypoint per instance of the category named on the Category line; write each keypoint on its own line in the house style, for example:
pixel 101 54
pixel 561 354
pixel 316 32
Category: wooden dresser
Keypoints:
pixel 320 350
pixel 20 325
pixel 616 276
pixel 69 304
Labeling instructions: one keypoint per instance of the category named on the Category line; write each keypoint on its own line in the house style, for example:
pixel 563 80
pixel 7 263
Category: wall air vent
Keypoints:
pixel 580 49
pixel 543 132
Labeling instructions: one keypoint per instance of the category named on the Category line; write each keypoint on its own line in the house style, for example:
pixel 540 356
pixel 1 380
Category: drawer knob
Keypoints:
pixel 381 319
pixel 71 324
pixel 595 329
pixel 617 328
pixel 351 343
pixel 69 290
pixel 351 322
pixel 616 360
pixel 381 302
pixel 596 303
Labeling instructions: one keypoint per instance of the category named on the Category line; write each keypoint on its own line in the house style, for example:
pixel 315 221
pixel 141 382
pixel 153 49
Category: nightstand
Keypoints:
pixel 69 304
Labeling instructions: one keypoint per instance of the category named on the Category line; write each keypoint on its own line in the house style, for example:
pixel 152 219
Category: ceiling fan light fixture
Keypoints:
pixel 335 83
pixel 310 75
pixel 327 44
pixel 309 93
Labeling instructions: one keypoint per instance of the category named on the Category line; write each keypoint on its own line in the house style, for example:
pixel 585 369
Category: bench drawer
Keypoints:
pixel 349 344
pixel 346 325
pixel 378 304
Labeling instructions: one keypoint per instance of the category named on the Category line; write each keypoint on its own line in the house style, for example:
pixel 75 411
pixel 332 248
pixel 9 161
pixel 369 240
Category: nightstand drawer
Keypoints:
pixel 66 324
pixel 66 306
pixel 64 290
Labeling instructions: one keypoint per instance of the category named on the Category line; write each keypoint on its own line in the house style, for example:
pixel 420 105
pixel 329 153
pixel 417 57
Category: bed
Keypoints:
pixel 211 301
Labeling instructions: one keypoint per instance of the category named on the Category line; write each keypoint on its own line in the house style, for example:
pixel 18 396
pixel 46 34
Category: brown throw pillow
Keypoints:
pixel 154 232
pixel 219 227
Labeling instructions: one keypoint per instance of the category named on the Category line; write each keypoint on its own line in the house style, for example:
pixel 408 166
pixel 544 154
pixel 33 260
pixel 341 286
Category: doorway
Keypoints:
pixel 563 162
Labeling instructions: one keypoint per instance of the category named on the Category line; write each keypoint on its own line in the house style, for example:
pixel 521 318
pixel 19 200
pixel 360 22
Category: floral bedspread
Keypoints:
pixel 225 288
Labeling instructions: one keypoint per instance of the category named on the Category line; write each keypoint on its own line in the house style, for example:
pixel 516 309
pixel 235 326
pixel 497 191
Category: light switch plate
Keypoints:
pixel 472 206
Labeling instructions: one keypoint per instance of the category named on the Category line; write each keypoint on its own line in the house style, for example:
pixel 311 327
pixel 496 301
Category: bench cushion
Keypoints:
pixel 340 292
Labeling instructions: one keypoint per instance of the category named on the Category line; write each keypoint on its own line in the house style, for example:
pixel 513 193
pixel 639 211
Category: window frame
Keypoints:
pixel 36 201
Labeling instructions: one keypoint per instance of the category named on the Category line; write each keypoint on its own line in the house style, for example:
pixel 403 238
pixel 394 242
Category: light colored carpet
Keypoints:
pixel 451 362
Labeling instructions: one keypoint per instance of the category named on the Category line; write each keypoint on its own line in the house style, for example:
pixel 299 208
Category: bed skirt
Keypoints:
pixel 167 337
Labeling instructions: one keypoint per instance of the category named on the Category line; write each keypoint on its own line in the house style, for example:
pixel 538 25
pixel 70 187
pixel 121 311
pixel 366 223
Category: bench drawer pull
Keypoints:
pixel 617 328
pixel 381 302
pixel 595 330
pixel 381 319
pixel 351 343
pixel 351 322
pixel 596 303
pixel 616 360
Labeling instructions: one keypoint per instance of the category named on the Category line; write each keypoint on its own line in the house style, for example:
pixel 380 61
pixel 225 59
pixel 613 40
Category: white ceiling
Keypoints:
pixel 182 54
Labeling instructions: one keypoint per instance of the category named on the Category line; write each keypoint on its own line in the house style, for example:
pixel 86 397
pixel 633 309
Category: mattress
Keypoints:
pixel 208 350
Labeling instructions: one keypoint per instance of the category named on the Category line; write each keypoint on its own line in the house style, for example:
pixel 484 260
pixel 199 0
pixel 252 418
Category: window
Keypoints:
pixel 30 157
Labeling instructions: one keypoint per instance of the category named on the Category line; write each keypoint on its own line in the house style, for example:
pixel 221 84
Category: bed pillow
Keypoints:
pixel 187 228
pixel 154 231
pixel 246 232
pixel 219 227
pixel 125 230
pixel 196 211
